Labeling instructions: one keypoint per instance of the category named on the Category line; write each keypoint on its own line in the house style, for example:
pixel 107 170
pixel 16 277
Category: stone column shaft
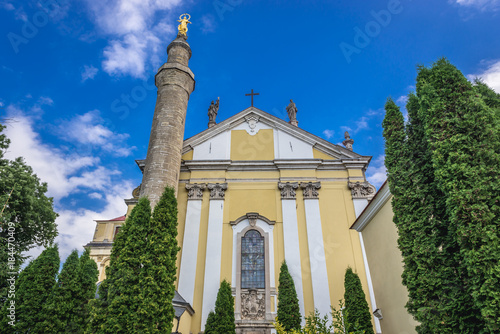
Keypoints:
pixel 175 82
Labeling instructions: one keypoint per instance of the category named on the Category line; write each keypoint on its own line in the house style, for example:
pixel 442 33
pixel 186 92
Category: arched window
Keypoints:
pixel 253 269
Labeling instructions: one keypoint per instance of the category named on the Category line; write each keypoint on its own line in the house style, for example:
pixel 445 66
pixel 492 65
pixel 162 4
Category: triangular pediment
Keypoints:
pixel 320 148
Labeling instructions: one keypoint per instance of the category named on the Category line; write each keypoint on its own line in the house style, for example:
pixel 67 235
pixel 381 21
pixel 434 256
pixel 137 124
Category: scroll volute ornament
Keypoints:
pixel 195 190
pixel 288 189
pixel 310 189
pixel 217 190
pixel 362 190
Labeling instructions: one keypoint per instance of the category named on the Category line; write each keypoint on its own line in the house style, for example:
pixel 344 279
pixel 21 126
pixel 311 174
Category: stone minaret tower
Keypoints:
pixel 175 82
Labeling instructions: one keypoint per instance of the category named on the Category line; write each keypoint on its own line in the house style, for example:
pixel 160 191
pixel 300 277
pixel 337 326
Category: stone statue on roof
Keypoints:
pixel 212 113
pixel 291 109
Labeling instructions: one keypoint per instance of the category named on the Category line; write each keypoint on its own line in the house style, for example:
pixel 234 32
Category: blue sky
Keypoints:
pixel 77 78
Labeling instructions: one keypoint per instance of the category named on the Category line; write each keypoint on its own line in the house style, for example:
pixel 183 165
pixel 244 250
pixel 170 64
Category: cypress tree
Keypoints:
pixel 223 320
pixel 34 286
pixel 98 307
pixel 59 310
pixel 288 303
pixel 123 282
pixel 159 261
pixel 463 136
pixel 437 140
pixel 211 324
pixel 88 278
pixel 358 313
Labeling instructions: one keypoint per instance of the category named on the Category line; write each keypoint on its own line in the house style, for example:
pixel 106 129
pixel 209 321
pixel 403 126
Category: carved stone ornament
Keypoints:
pixel 252 121
pixel 195 190
pixel 252 218
pixel 362 190
pixel 288 189
pixel 137 191
pixel 348 141
pixel 217 190
pixel 310 189
pixel 253 305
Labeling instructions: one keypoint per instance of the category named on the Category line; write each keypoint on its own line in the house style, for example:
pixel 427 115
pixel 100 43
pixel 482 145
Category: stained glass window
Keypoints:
pixel 252 261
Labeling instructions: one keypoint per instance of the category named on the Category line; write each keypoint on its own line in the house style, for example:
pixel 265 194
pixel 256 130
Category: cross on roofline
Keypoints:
pixel 252 94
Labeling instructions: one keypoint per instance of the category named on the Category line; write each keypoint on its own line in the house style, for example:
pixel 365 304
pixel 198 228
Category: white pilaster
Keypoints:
pixel 187 272
pixel 378 329
pixel 319 275
pixel 292 250
pixel 213 258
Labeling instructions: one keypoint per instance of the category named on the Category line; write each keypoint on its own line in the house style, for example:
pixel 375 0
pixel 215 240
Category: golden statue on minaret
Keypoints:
pixel 184 20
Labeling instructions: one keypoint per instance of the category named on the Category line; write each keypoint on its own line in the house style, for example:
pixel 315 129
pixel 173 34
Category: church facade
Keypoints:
pixel 253 191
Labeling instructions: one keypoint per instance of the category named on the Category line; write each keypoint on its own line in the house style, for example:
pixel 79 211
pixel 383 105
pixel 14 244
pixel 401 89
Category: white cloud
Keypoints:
pixel 76 226
pixel 328 133
pixel 7 6
pixel 482 4
pixel 376 172
pixel 361 124
pixel 87 130
pixel 136 34
pixel 208 23
pixel 64 173
pixel 490 76
pixel 402 99
pixel 89 72
pixel 68 174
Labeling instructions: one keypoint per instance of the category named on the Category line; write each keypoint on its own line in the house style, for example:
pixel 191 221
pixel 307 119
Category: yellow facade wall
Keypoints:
pixel 257 147
pixel 320 155
pixel 390 294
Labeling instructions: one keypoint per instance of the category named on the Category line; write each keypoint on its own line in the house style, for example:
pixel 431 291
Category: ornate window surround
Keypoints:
pixel 253 221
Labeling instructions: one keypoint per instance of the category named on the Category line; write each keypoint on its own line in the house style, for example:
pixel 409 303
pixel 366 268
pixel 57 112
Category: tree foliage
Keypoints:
pixel 222 320
pixel 33 288
pixel 160 264
pixel 23 203
pixel 136 296
pixel 288 303
pixel 443 170
pixel 356 305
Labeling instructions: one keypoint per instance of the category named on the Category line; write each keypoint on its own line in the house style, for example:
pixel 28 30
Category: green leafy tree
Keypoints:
pixel 33 288
pixel 25 206
pixel 124 299
pixel 88 278
pixel 463 134
pixel 288 303
pixel 223 319
pixel 438 156
pixel 211 324
pixel 66 309
pixel 356 304
pixel 59 310
pixel 160 268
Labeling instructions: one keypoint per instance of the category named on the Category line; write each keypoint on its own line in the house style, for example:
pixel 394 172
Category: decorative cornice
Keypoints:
pixel 362 190
pixel 195 190
pixel 382 196
pixel 252 219
pixel 217 190
pixel 288 189
pixel 310 189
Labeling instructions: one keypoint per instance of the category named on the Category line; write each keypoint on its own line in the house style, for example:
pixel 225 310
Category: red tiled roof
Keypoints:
pixel 121 218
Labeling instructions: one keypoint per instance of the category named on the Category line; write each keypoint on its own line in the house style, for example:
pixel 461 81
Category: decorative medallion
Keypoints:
pixel 217 190
pixel 252 218
pixel 137 191
pixel 252 121
pixel 362 190
pixel 195 190
pixel 310 189
pixel 253 305
pixel 288 189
